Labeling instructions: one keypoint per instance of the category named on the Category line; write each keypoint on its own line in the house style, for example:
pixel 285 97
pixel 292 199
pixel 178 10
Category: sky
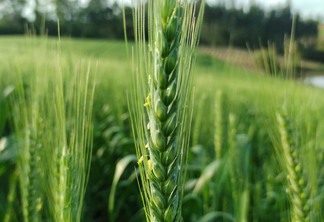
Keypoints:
pixel 307 8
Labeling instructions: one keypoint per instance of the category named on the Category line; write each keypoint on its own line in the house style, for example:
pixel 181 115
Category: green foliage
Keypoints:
pixel 267 60
pixel 112 142
pixel 120 168
pixel 8 156
pixel 258 190
pixel 4 109
pixel 52 119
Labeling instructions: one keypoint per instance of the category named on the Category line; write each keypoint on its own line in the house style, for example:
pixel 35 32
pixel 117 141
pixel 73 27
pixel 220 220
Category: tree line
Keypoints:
pixel 256 27
pixel 104 19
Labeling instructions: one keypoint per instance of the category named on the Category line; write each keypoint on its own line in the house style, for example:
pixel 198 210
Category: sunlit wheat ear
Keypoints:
pixel 297 184
pixel 161 103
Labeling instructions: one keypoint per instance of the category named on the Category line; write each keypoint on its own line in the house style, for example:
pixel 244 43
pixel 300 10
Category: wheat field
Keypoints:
pixel 255 153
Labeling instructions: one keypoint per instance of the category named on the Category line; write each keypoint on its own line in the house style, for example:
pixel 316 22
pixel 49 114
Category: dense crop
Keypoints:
pixel 246 181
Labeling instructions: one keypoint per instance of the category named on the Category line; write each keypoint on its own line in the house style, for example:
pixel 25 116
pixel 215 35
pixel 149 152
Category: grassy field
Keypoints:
pixel 238 109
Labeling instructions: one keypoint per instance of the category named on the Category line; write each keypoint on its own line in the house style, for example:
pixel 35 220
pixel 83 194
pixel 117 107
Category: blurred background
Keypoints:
pixel 239 24
pixel 255 59
pixel 235 22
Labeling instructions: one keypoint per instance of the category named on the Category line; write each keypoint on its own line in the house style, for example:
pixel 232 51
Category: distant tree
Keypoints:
pixel 67 12
pixel 223 23
pixel 102 19
pixel 12 19
pixel 278 25
pixel 306 32
pixel 215 30
pixel 256 27
pixel 255 21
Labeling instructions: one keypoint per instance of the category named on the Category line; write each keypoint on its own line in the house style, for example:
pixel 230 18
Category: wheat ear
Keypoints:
pixel 162 126
pixel 297 187
pixel 221 125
